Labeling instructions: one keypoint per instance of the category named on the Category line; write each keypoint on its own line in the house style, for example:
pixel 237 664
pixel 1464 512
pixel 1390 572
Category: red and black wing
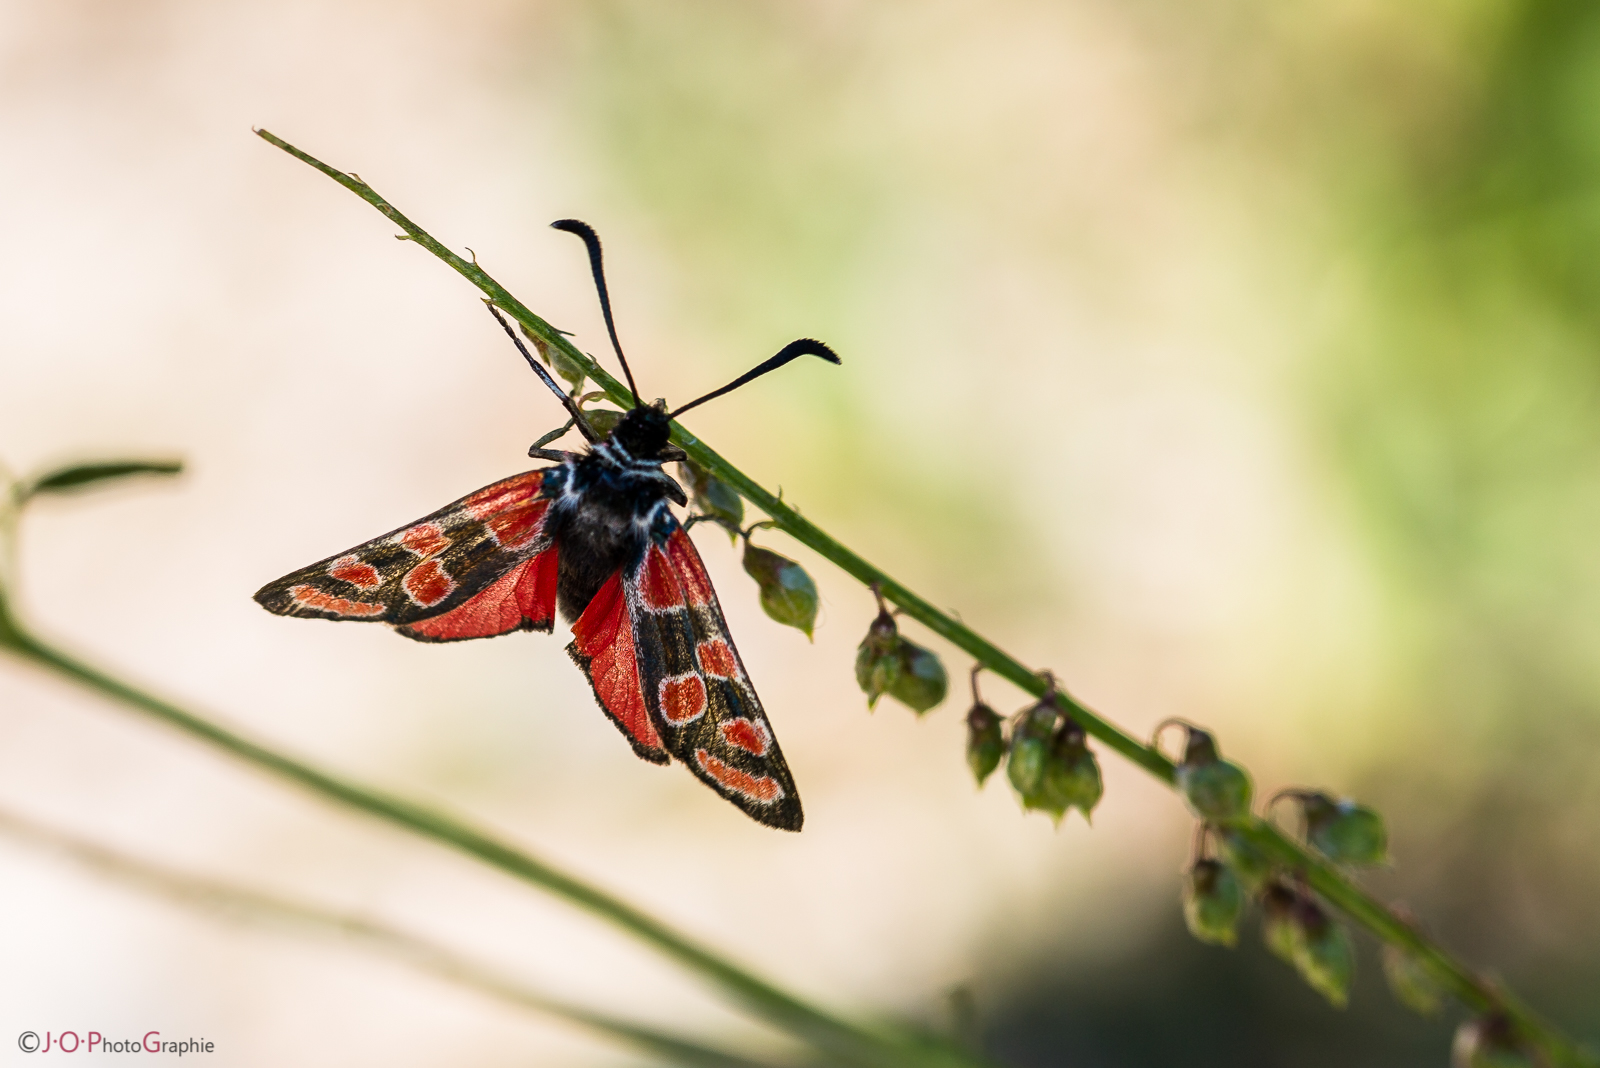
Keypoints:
pixel 477 567
pixel 656 649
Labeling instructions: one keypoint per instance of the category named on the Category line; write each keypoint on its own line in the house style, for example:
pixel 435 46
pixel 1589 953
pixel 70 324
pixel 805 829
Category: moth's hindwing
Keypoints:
pixel 695 688
pixel 477 567
pixel 603 647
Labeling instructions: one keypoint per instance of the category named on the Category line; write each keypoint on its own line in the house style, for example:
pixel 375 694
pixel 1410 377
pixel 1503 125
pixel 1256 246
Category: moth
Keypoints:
pixel 594 536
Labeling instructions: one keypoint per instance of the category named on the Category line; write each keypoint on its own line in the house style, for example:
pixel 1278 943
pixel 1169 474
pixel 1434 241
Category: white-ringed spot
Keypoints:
pixel 428 583
pixel 751 735
pixel 683 699
pixel 756 787
pixel 311 597
pixel 716 658
pixel 424 539
pixel 350 569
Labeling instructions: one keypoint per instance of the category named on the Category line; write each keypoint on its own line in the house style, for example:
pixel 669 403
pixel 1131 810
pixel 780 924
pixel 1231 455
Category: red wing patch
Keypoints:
pixel 682 699
pixel 524 598
pixel 351 570
pixel 696 690
pixel 446 576
pixel 602 645
pixel 428 584
pixel 315 600
pixel 747 734
pixel 691 573
pixel 424 539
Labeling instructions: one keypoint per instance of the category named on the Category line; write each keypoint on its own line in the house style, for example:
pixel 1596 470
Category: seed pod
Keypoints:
pixel 712 496
pixel 1410 981
pixel 787 593
pixel 1031 741
pixel 877 661
pixel 1490 1042
pixel 1277 920
pixel 986 742
pixel 1212 903
pixel 1343 831
pixel 558 361
pixel 921 682
pixel 602 420
pixel 1217 791
pixel 1248 863
pixel 1323 952
pixel 1071 774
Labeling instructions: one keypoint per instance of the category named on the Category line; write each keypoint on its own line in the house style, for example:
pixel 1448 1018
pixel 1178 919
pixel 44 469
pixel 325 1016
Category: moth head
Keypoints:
pixel 644 430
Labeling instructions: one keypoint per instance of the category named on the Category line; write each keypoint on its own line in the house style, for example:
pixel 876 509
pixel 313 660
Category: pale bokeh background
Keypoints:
pixel 1235 362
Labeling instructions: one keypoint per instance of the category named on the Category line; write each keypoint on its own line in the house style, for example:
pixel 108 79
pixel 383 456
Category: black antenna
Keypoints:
pixel 566 402
pixel 592 241
pixel 792 351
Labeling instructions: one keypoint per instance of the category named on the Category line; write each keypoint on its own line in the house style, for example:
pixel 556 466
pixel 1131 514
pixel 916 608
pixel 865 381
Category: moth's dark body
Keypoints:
pixel 606 507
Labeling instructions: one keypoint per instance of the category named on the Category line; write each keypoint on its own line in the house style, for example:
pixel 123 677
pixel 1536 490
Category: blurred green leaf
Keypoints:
pixel 82 476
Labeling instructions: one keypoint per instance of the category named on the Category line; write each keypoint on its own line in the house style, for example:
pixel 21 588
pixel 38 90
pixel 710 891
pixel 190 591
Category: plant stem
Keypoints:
pixel 850 1042
pixel 242 903
pixel 1472 990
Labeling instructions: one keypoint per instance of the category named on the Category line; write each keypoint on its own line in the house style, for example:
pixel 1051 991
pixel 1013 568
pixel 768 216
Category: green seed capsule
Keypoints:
pixel 921 682
pixel 1490 1042
pixel 1249 864
pixel 1212 903
pixel 1217 791
pixel 1030 750
pixel 1071 774
pixel 986 743
pixel 1277 920
pixel 1323 952
pixel 1343 831
pixel 558 361
pixel 603 420
pixel 877 663
pixel 1410 981
pixel 713 497
pixel 787 593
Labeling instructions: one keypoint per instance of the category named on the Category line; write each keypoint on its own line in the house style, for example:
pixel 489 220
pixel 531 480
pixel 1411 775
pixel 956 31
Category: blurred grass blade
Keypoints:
pixel 83 476
pixel 241 904
pixel 845 1041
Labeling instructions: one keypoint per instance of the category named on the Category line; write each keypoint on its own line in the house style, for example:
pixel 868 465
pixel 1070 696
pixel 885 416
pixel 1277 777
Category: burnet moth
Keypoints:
pixel 593 535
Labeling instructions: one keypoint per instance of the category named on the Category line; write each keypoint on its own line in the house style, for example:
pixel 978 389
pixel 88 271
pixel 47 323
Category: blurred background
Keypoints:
pixel 1236 360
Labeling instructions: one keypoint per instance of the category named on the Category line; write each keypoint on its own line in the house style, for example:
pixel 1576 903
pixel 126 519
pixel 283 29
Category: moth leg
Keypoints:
pixel 550 454
pixel 672 452
pixel 538 446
